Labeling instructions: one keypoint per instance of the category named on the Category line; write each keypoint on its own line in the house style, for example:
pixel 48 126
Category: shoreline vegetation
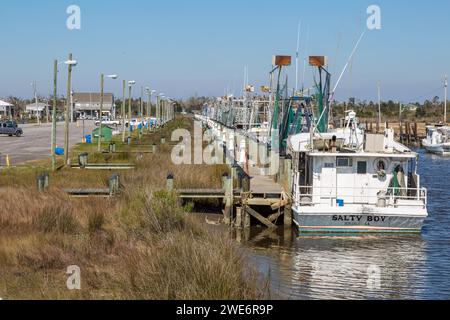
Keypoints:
pixel 141 244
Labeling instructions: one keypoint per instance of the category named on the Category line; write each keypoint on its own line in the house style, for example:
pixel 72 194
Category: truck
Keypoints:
pixel 106 121
pixel 10 128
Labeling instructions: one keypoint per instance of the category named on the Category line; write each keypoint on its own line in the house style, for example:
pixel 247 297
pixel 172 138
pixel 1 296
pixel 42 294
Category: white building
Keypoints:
pixel 5 109
pixel 87 105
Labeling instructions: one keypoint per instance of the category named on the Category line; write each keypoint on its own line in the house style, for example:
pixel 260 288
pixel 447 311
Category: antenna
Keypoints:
pixel 445 99
pixel 297 55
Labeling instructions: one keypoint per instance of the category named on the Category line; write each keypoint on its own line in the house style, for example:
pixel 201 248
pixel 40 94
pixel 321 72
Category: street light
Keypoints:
pixel 70 63
pixel 102 81
pixel 130 86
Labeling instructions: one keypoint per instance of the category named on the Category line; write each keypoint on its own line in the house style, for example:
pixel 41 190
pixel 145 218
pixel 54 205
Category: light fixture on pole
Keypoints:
pixel 130 86
pixel 70 63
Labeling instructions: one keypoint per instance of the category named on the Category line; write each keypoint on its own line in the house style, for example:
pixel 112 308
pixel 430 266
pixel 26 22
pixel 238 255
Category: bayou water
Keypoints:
pixel 364 267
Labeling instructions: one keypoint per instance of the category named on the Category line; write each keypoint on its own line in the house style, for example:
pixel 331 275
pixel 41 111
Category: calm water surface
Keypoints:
pixel 412 267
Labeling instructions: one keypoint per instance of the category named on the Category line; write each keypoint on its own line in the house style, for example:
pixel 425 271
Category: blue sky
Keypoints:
pixel 200 47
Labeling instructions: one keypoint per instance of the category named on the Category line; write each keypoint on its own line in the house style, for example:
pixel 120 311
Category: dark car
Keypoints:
pixel 10 128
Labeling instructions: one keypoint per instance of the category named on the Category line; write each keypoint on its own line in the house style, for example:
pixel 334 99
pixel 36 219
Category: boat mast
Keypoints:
pixel 445 99
pixel 379 104
pixel 297 57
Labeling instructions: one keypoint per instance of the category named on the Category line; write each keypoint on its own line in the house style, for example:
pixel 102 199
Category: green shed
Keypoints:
pixel 107 134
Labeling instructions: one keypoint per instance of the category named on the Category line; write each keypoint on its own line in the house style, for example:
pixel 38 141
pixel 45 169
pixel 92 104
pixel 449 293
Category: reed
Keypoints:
pixel 139 245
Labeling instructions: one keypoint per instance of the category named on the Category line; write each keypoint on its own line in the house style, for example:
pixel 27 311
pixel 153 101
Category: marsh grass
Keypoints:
pixel 140 245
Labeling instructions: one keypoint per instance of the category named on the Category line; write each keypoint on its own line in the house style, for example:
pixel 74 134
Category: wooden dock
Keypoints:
pixel 262 202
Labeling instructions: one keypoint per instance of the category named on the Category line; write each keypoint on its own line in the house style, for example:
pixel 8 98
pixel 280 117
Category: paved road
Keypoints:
pixel 35 144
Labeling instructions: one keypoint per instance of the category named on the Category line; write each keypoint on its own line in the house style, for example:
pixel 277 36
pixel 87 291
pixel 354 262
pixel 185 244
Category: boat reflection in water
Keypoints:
pixel 337 267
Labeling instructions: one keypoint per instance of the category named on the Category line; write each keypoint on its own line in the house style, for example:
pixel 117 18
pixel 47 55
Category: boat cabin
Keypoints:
pixel 376 171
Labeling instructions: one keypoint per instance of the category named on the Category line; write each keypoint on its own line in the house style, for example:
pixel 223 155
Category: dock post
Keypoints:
pixel 170 184
pixel 226 187
pixel 42 182
pixel 239 221
pixel 416 135
pixel 280 174
pixel 408 133
pixel 401 131
pixel 288 216
pixel 247 219
pixel 83 160
pixel 288 167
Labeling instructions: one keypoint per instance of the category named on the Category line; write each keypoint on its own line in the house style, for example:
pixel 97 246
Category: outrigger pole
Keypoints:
pixel 341 75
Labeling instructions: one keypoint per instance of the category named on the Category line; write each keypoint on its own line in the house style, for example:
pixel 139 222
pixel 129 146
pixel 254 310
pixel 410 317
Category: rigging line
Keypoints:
pixel 342 74
pixel 346 65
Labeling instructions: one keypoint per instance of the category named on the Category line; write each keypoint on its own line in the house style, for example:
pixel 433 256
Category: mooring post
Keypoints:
pixel 42 182
pixel 163 140
pixel 288 166
pixel 288 216
pixel 112 147
pixel 416 135
pixel 247 219
pixel 239 221
pixel 83 160
pixel 170 184
pixel 226 182
pixel 280 174
pixel 153 148
pixel 114 184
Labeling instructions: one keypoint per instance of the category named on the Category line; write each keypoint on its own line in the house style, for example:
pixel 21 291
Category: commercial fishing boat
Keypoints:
pixel 346 180
pixel 437 140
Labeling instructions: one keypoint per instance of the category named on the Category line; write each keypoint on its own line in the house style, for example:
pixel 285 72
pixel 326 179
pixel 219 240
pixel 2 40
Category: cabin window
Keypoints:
pixel 362 167
pixel 344 162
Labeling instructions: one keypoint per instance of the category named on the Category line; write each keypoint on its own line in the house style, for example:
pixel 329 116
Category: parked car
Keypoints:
pixel 10 128
pixel 108 122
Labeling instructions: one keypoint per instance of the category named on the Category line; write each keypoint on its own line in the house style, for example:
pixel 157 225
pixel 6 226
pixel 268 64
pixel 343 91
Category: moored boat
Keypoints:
pixel 346 180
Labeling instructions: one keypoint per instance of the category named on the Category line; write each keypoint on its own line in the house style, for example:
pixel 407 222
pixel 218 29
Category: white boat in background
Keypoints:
pixel 350 181
pixel 437 140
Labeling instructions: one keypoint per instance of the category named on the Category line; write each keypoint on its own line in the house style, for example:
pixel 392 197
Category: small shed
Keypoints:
pixel 107 134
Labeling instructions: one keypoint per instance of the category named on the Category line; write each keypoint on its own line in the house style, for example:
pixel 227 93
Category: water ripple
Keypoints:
pixel 410 267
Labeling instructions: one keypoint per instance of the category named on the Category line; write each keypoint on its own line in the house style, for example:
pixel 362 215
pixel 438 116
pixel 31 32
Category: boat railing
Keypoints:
pixel 390 197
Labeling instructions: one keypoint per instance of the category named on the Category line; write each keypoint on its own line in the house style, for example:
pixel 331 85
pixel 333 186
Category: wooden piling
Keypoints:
pixel 226 181
pixel 170 182
pixel 239 220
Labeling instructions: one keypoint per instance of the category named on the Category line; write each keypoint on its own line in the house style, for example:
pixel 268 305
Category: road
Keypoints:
pixel 35 144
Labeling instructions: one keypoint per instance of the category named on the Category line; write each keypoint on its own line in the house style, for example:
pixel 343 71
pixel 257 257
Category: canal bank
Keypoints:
pixel 135 243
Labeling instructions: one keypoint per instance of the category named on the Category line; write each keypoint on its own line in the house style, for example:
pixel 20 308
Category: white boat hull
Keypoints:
pixel 340 220
pixel 439 149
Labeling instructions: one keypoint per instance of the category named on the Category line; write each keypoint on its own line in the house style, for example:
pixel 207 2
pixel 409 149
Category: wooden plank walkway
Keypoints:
pixel 262 184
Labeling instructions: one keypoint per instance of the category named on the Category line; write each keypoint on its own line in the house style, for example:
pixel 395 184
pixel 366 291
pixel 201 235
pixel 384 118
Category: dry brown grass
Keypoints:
pixel 140 245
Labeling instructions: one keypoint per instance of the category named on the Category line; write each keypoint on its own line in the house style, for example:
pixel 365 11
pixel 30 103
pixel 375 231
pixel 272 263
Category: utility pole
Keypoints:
pixel 149 103
pixel 102 81
pixel 129 110
pixel 36 103
pixel 124 106
pixel 157 110
pixel 53 143
pixel 68 107
pixel 379 105
pixel 141 104
pixel 445 99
